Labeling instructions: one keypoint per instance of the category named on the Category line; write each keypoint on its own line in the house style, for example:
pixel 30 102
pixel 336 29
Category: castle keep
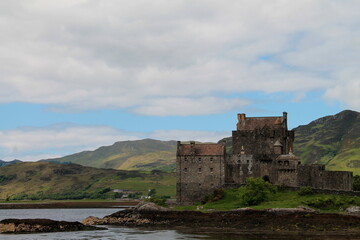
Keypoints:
pixel 261 148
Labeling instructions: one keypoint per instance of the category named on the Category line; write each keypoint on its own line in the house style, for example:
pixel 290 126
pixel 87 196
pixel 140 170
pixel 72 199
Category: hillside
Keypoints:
pixel 331 140
pixel 147 154
pixel 7 163
pixel 50 180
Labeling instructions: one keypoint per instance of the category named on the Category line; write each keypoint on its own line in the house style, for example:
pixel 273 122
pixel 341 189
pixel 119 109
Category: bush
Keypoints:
pixel 158 201
pixel 306 191
pixel 330 202
pixel 356 183
pixel 216 196
pixel 255 191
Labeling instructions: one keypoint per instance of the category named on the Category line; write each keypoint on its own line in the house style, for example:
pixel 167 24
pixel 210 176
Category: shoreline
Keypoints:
pixel 68 204
pixel 246 220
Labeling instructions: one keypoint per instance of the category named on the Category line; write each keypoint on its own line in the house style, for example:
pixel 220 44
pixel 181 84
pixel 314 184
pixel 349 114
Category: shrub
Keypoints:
pixel 356 183
pixel 217 195
pixel 255 191
pixel 330 202
pixel 305 191
pixel 158 201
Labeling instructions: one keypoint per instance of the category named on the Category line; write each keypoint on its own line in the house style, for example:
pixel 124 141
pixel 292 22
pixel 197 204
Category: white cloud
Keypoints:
pixel 140 55
pixel 31 144
pixel 187 135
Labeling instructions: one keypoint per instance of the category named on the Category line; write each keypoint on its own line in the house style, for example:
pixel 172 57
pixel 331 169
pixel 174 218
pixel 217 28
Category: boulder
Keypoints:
pixel 149 206
pixel 353 210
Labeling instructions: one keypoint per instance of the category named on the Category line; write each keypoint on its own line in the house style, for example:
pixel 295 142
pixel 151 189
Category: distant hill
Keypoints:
pixel 49 180
pixel 147 154
pixel 7 163
pixel 331 140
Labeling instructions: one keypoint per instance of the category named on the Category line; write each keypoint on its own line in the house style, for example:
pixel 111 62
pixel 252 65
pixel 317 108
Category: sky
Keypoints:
pixel 79 74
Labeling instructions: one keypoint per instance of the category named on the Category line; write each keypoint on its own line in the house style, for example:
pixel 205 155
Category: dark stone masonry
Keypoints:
pixel 262 148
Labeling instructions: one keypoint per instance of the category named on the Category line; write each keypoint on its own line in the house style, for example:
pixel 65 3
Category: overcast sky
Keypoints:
pixel 79 74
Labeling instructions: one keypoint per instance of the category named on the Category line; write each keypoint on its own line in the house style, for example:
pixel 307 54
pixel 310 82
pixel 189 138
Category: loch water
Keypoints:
pixel 114 232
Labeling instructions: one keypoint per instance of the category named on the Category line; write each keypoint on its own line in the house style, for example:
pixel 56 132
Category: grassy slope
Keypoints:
pixel 50 178
pixel 332 140
pixel 144 154
pixel 281 199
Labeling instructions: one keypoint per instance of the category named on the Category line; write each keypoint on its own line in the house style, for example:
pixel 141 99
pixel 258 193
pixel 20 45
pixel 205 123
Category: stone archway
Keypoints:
pixel 266 178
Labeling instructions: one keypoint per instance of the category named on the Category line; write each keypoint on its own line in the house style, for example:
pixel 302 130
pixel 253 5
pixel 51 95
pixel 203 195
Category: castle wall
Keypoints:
pixel 337 180
pixel 317 177
pixel 198 176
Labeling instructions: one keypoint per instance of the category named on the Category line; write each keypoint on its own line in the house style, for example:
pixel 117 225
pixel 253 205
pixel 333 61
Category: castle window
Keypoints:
pixel 212 184
pixel 280 163
pixel 185 159
pixel 238 161
pixel 286 163
pixel 299 162
pixel 199 170
pixel 199 184
pixel 185 169
pixel 211 170
pixel 199 159
pixel 247 161
pixel 211 159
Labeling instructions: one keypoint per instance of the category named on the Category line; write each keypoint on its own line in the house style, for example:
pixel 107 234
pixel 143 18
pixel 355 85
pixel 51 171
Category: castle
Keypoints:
pixel 261 148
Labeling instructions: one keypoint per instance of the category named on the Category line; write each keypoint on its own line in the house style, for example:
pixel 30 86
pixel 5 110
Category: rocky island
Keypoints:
pixel 301 219
pixel 42 225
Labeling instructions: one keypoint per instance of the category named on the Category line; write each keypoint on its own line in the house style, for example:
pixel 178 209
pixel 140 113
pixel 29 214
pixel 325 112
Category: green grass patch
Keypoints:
pixel 285 199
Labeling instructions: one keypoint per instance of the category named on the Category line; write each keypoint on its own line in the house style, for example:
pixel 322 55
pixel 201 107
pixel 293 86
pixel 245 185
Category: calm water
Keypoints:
pixel 122 232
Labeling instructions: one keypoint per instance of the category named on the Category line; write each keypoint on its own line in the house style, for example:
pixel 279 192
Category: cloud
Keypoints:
pixel 31 144
pixel 186 135
pixel 141 56
pixel 55 140
pixel 188 106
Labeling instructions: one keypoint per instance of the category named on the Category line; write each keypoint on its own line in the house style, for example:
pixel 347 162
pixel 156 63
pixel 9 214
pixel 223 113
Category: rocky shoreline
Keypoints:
pixel 300 219
pixel 42 225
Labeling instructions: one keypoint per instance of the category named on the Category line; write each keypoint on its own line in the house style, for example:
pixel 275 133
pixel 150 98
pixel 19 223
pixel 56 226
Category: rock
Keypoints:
pixel 149 206
pixel 42 225
pixel 300 209
pixel 247 209
pixel 353 210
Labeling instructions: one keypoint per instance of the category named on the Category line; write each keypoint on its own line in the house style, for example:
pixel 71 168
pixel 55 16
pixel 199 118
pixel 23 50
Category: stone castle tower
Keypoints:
pixel 261 147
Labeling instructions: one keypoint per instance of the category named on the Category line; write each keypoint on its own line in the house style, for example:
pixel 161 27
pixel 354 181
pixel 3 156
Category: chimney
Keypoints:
pixel 284 115
pixel 241 116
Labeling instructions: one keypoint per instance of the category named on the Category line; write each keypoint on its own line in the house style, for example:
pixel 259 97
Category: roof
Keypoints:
pixel 204 149
pixel 252 123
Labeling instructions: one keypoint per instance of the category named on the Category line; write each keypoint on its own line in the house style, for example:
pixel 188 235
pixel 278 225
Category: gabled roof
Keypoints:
pixel 252 123
pixel 202 149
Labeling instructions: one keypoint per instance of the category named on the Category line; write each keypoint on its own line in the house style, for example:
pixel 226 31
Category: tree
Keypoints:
pixel 255 191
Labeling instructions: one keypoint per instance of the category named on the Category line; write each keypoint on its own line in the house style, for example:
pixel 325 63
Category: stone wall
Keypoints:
pixel 198 176
pixel 317 177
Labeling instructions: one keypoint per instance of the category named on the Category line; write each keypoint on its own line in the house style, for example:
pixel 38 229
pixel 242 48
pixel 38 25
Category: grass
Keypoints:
pixel 281 199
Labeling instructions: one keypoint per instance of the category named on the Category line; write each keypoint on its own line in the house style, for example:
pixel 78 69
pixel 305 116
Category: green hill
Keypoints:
pixel 331 140
pixel 49 180
pixel 147 154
